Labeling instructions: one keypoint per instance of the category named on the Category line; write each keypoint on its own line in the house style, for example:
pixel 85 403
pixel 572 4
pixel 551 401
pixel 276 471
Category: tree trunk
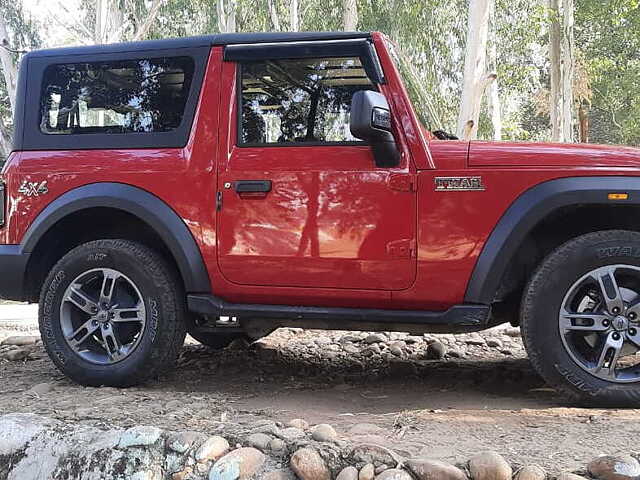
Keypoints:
pixel 494 104
pixel 226 16
pixel 9 67
pixel 152 14
pixel 567 64
pixel 350 16
pixel 273 15
pixel 5 141
pixel 583 116
pixel 561 48
pixel 475 75
pixel 555 71
pixel 294 22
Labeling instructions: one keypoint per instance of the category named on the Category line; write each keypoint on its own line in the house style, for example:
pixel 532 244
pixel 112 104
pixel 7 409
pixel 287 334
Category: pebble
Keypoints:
pixel 259 440
pixel 531 472
pixel 307 464
pixel 290 434
pixel 278 475
pixel 489 466
pixel 41 389
pixel 182 441
pixel 20 341
pixel 475 340
pixel 367 472
pixel 323 433
pixel 397 351
pixel 139 436
pixel 494 343
pixel 350 348
pixel 455 353
pixel 16 355
pixel 436 351
pixel 348 473
pixel 240 464
pixel 394 474
pixel 277 446
pixel 426 469
pixel 569 476
pixel 298 423
pixel 212 449
pixel 608 467
pixel 375 338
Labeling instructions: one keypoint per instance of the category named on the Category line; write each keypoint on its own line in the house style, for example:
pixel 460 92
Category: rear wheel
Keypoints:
pixel 112 313
pixel 581 318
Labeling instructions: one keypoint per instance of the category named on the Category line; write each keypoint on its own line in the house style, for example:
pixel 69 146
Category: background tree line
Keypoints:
pixel 565 70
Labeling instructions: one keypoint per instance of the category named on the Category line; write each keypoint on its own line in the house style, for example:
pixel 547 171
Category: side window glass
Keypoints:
pixel 299 101
pixel 127 96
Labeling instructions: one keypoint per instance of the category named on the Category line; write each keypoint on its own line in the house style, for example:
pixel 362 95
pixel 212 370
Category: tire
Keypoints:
pixel 126 303
pixel 558 344
pixel 217 341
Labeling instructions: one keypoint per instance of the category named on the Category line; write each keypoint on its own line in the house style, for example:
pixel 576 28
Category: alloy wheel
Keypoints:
pixel 103 316
pixel 599 323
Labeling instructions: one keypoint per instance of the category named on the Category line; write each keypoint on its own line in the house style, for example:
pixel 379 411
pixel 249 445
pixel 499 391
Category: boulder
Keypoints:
pixel 323 433
pixel 212 449
pixel 489 466
pixel 394 474
pixel 241 464
pixel 307 464
pixel 348 473
pixel 609 467
pixel 531 472
pixel 426 469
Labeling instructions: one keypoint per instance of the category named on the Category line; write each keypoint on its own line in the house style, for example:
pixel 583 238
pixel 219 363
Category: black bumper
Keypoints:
pixel 13 266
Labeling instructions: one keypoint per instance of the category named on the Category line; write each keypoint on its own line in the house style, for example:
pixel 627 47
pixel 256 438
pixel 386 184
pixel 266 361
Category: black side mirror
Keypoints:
pixel 371 122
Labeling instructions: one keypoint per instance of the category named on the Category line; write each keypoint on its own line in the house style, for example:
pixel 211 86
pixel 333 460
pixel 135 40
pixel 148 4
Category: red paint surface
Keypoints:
pixel 321 236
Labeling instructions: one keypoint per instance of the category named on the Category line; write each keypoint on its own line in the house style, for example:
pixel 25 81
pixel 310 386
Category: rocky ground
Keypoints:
pixel 438 396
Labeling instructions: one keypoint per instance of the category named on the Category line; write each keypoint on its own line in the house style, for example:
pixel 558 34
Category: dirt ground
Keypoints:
pixel 483 395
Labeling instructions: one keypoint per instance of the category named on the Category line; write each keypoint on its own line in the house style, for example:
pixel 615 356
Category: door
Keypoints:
pixel 302 202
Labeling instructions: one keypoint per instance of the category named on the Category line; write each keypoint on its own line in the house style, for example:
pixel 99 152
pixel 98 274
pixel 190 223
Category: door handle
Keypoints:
pixel 252 186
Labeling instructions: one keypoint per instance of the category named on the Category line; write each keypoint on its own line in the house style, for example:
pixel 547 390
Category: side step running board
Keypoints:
pixel 458 315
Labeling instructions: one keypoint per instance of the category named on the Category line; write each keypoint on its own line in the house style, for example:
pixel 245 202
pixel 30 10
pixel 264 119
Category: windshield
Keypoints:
pixel 417 94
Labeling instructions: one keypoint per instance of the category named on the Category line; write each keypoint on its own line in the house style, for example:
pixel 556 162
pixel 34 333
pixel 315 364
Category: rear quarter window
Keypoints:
pixel 115 97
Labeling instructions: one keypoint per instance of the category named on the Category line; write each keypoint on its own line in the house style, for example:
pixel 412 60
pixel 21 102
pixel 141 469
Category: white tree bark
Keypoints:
pixel 9 67
pixel 5 141
pixel 273 15
pixel 476 78
pixel 555 71
pixel 226 15
pixel 350 15
pixel 567 63
pixel 561 57
pixel 294 19
pixel 142 32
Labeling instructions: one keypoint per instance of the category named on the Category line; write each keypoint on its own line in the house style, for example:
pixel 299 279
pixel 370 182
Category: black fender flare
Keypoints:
pixel 147 207
pixel 527 211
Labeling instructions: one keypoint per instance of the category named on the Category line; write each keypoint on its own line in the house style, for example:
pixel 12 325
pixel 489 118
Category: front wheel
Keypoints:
pixel 581 318
pixel 112 313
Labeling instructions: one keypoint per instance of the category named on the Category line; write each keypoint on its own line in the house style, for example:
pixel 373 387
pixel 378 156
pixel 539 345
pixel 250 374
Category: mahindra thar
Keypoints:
pixel 228 185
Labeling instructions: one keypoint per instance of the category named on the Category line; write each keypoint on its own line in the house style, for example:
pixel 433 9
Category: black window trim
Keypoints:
pixel 240 144
pixel 29 136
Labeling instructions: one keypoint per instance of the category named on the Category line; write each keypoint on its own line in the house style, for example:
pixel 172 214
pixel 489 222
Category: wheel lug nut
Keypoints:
pixel 616 336
pixel 633 315
pixel 615 310
pixel 606 323
pixel 633 332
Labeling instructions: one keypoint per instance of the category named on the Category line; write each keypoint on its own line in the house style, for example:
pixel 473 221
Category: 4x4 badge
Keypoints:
pixel 444 184
pixel 33 189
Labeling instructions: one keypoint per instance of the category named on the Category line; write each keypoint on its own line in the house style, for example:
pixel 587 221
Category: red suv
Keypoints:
pixel 228 185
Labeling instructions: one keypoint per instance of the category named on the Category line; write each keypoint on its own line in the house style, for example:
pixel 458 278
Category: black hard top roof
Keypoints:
pixel 200 41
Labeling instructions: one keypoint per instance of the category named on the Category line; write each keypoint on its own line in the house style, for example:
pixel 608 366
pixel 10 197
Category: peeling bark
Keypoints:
pixel 561 48
pixel 226 15
pixel 294 19
pixel 475 75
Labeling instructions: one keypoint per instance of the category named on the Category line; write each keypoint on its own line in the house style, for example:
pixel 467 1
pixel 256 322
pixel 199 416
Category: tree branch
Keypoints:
pixel 151 17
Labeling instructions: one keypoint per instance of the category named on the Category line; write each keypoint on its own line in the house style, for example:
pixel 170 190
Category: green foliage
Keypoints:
pixel 608 34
